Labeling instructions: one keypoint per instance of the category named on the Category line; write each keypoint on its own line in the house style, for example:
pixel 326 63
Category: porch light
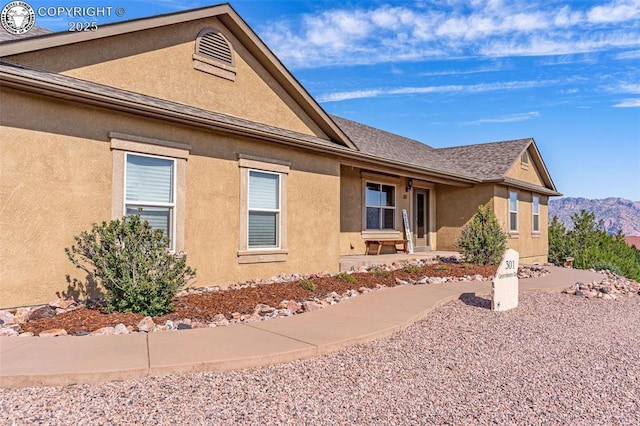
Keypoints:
pixel 409 184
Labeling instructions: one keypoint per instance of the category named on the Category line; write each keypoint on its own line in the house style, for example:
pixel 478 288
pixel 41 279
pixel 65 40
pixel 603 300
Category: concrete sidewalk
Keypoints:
pixel 36 361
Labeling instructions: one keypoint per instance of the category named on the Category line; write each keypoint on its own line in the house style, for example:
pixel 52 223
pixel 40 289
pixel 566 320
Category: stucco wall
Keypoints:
pixel 158 62
pixel 352 232
pixel 455 206
pixel 532 246
pixel 525 172
pixel 55 181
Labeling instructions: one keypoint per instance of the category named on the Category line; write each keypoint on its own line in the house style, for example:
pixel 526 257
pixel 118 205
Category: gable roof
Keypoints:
pixel 230 18
pixel 381 144
pixel 502 155
pixel 474 157
pixel 487 162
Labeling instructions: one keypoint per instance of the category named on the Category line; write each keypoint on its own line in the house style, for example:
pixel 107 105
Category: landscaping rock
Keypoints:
pixel 220 320
pixel 8 332
pixel 146 325
pixel 120 329
pixel 42 312
pixel 6 318
pixel 104 331
pixel 311 306
pixel 293 306
pixel 21 315
pixel 54 332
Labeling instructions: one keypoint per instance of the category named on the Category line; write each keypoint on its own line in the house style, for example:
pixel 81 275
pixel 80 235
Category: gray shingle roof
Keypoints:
pixel 381 144
pixel 33 32
pixel 487 161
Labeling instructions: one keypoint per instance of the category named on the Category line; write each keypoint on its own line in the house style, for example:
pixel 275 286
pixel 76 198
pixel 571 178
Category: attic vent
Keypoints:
pixel 214 54
pixel 524 160
pixel 214 44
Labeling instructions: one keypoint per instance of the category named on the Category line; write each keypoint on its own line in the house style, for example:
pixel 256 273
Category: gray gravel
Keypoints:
pixel 556 359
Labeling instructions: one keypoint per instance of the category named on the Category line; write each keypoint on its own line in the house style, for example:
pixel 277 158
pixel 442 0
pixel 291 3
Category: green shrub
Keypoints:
pixel 379 272
pixel 591 247
pixel 482 240
pixel 347 277
pixel 131 261
pixel 601 265
pixel 307 285
pixel 412 269
pixel 559 245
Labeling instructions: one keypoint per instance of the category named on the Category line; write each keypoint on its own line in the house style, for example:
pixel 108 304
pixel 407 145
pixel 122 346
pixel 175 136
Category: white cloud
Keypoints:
pixel 512 118
pixel 633 88
pixel 451 28
pixel 473 88
pixel 628 103
pixel 616 11
pixel 630 54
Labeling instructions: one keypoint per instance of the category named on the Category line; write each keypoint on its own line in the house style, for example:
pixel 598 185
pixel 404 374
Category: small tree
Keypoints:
pixel 559 244
pixel 592 247
pixel 132 262
pixel 483 241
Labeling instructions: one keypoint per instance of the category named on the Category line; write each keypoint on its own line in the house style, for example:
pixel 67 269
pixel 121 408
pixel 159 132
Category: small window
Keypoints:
pixel 536 213
pixel 513 211
pixel 524 158
pixel 214 54
pixel 264 209
pixel 149 185
pixel 380 206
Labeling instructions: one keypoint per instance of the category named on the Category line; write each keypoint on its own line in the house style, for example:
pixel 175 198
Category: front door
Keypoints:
pixel 421 219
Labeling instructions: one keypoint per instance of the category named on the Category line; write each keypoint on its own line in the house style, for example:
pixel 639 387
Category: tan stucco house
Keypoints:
pixel 191 117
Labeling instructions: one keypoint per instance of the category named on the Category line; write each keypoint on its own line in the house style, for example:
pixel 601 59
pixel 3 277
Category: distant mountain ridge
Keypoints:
pixel 618 214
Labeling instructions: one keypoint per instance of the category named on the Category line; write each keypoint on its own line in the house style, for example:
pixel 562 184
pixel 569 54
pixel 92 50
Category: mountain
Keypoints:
pixel 617 214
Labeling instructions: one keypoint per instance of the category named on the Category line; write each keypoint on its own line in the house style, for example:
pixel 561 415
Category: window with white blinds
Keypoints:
pixel 536 213
pixel 264 209
pixel 513 211
pixel 149 185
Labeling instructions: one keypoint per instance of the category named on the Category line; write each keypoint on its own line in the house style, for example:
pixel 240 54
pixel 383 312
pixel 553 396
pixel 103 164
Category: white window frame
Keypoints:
pixel 277 211
pixel 248 254
pixel 535 202
pixel 122 143
pixel 511 228
pixel 381 207
pixel 142 203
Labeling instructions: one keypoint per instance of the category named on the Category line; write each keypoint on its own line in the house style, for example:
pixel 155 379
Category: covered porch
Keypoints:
pixel 351 262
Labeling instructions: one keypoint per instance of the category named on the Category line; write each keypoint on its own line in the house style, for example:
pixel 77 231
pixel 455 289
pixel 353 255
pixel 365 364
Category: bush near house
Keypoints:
pixel 591 247
pixel 483 241
pixel 132 262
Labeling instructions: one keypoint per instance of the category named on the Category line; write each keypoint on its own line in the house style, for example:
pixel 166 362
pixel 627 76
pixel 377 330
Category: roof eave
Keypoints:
pixel 542 168
pixel 103 101
pixel 524 185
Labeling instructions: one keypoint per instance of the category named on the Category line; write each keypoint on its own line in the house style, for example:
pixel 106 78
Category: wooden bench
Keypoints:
pixel 380 243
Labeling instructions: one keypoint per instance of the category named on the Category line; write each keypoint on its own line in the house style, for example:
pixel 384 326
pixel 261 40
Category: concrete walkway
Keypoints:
pixel 35 361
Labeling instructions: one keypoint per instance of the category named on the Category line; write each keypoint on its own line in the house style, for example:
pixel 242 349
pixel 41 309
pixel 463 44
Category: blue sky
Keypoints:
pixel 449 72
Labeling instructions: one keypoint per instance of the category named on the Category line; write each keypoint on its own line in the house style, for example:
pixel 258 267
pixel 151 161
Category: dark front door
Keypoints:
pixel 421 217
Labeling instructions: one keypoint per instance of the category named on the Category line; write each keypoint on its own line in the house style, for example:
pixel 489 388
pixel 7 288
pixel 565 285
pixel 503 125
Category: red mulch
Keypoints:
pixel 203 307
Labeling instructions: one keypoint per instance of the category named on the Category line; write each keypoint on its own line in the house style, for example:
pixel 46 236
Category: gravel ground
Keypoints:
pixel 556 359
